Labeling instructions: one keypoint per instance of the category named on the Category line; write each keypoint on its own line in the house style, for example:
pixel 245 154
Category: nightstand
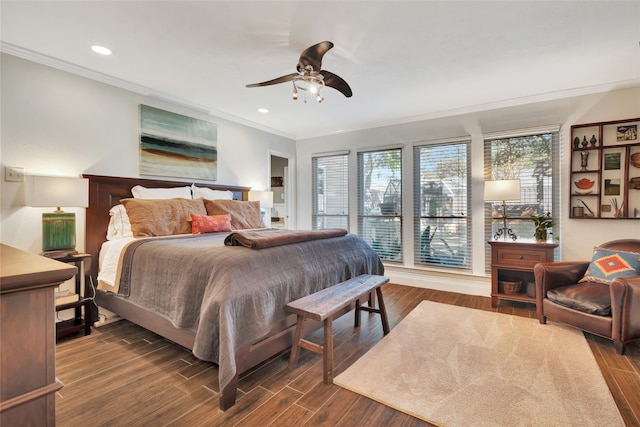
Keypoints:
pixel 80 320
pixel 513 261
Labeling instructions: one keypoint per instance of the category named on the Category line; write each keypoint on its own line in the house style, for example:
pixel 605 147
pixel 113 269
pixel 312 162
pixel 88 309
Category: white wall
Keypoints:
pixel 57 123
pixel 577 236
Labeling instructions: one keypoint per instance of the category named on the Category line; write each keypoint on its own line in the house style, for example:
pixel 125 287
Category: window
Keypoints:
pixel 330 192
pixel 442 235
pixel 532 159
pixel 380 201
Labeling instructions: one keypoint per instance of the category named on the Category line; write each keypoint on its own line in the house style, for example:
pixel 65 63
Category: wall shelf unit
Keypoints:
pixel 605 170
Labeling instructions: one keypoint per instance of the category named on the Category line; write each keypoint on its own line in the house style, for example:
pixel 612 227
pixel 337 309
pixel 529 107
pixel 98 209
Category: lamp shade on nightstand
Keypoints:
pixel 59 227
pixel 264 197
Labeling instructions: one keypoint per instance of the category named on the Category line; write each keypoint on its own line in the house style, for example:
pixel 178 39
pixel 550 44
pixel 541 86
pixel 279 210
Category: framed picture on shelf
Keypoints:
pixel 627 133
pixel 611 161
pixel 612 187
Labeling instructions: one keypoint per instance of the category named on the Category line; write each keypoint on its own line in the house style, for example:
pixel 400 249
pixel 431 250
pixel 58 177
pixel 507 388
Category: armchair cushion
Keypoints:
pixel 588 297
pixel 607 265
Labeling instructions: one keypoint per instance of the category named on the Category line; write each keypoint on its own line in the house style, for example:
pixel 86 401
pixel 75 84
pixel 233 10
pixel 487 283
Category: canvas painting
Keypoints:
pixel 176 145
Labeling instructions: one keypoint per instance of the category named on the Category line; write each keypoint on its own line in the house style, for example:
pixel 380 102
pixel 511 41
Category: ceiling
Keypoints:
pixel 404 61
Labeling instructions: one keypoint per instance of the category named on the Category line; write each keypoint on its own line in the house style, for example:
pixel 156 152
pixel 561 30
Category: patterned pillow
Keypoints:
pixel 607 265
pixel 210 224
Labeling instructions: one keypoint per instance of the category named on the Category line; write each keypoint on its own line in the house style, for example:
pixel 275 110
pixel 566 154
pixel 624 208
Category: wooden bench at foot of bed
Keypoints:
pixel 327 303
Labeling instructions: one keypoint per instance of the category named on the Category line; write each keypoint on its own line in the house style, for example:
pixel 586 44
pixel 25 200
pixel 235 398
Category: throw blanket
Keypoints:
pixel 267 238
pixel 232 295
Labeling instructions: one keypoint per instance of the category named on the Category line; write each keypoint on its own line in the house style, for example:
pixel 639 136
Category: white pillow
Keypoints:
pixel 208 193
pixel 140 192
pixel 119 224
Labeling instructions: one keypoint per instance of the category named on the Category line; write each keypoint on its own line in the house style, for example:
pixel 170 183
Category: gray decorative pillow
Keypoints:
pixel 243 214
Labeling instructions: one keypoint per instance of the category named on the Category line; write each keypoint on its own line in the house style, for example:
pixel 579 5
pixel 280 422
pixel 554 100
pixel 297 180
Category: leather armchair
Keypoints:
pixel 621 325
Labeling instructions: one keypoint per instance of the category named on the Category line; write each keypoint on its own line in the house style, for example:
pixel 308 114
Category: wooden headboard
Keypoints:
pixel 106 192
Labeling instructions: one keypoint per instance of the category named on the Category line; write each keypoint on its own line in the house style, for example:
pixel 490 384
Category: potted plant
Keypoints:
pixel 542 223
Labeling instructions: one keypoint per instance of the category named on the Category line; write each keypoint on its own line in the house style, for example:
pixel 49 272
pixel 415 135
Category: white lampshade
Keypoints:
pixel 57 191
pixel 507 190
pixel 264 197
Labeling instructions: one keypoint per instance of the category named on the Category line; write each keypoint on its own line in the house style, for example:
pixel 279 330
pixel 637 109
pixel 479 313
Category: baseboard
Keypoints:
pixel 443 281
pixel 107 321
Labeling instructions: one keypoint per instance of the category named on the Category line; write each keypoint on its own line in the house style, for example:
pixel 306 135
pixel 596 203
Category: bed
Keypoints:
pixel 235 317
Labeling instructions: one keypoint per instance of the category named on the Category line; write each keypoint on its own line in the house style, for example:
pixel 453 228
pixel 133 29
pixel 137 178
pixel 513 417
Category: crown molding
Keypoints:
pixel 131 87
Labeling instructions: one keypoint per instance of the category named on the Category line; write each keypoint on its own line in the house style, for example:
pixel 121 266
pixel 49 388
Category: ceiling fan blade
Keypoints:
pixel 313 56
pixel 283 79
pixel 336 82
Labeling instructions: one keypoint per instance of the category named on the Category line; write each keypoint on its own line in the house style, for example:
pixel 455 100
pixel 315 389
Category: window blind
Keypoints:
pixel 330 189
pixel 442 196
pixel 380 201
pixel 534 160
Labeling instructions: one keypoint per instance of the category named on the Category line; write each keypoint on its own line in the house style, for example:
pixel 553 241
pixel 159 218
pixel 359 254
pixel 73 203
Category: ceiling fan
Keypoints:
pixel 310 77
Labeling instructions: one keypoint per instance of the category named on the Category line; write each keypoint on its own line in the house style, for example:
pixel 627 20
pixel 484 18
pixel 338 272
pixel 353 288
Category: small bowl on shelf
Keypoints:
pixel 584 183
pixel 635 160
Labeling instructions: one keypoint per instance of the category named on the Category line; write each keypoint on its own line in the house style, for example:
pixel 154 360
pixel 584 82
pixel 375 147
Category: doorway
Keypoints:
pixel 281 188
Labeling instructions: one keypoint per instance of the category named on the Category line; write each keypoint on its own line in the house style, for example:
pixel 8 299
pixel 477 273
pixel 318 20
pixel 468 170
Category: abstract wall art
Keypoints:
pixel 178 146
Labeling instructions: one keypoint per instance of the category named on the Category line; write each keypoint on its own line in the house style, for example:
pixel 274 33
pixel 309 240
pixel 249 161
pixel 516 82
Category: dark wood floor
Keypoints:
pixel 123 375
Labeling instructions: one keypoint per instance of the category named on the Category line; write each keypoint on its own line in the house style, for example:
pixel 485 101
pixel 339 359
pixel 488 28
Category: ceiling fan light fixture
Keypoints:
pixel 309 76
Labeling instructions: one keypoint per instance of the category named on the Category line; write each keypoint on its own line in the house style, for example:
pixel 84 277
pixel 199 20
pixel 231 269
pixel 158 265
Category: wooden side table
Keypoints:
pixel 81 319
pixel 514 261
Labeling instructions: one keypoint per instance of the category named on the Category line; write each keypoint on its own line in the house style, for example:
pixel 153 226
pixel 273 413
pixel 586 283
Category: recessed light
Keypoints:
pixel 101 49
pixel 263 110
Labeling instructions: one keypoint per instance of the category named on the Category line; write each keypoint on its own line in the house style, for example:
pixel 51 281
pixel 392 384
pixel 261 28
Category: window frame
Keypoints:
pixel 446 256
pixel 522 224
pixel 316 215
pixel 389 222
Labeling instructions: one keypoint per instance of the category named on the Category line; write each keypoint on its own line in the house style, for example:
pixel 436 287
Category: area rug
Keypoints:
pixel 456 366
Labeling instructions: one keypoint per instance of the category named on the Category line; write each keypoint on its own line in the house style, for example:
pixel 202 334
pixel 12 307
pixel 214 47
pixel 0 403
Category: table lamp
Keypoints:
pixel 59 227
pixel 264 197
pixel 507 190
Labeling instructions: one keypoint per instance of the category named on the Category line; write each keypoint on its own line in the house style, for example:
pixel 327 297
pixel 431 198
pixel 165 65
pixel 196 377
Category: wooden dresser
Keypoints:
pixel 28 337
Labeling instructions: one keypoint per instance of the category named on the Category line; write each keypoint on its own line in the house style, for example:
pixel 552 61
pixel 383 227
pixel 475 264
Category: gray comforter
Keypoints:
pixel 231 295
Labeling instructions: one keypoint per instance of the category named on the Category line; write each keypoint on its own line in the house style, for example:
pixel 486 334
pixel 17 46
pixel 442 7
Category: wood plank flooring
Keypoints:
pixel 123 375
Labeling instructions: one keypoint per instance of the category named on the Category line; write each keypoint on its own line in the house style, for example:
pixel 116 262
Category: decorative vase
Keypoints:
pixel 541 234
pixel 585 142
pixel 576 143
pixel 593 140
pixel 584 160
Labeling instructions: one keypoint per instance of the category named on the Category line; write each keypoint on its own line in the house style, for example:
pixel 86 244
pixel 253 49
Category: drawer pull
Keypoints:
pixel 521 257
